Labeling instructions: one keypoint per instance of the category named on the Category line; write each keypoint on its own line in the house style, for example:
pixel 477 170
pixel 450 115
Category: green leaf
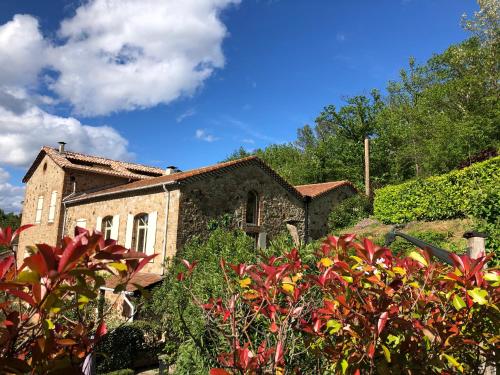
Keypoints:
pixel 387 353
pixel 118 266
pixel 454 362
pixel 458 302
pixel 29 277
pixel 490 276
pixel 418 257
pixel 49 324
pixel 478 295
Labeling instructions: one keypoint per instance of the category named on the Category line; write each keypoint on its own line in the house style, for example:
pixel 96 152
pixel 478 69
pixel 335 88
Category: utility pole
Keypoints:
pixel 367 166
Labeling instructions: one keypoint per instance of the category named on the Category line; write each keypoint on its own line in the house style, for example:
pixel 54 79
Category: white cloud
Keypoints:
pixel 115 55
pixel 22 51
pixel 25 127
pixel 202 135
pixel 189 113
pixel 10 196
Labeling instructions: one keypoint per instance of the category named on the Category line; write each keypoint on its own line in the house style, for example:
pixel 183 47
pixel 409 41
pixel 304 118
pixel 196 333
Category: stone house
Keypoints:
pixel 157 210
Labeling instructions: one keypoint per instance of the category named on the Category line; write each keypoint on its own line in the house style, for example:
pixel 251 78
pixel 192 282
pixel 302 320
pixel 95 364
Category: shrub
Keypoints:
pixel 172 308
pixel 371 312
pixel 126 371
pixel 348 212
pixel 119 348
pixel 456 194
pixel 44 325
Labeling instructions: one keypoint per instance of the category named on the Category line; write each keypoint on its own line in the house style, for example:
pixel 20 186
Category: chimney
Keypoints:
pixel 61 147
pixel 171 170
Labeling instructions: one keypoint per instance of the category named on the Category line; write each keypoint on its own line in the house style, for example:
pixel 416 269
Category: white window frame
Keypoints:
pixel 107 227
pixel 39 209
pixel 82 223
pixel 52 207
pixel 140 225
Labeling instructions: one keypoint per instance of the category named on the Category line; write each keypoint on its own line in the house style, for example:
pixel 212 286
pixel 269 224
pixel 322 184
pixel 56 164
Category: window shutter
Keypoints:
pixel 98 223
pixel 115 226
pixel 52 207
pixel 128 233
pixel 151 237
pixel 39 207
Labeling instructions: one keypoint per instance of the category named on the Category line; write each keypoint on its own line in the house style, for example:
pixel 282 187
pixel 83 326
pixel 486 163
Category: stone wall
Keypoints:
pixel 226 193
pixel 48 177
pixel 320 208
pixel 145 201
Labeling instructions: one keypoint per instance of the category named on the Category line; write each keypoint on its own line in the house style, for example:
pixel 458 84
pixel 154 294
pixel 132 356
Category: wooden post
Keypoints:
pixel 475 244
pixel 367 166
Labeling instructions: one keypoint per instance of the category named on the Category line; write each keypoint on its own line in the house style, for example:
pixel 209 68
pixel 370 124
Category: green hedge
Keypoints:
pixel 456 194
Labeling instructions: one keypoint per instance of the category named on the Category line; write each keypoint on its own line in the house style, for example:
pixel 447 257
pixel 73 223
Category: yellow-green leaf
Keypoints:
pixel 29 276
pixel 387 353
pixel 399 270
pixel 458 302
pixel 326 262
pixel 82 299
pixel 288 287
pixel 494 277
pixel 357 259
pixel 344 365
pixel 55 310
pixel 418 257
pixel 347 278
pixel 334 326
pixel 454 362
pixel 118 266
pixel 244 283
pixel 50 325
pixel 478 295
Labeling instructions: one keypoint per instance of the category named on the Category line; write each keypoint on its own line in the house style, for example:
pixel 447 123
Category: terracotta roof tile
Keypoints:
pixel 315 190
pixel 183 176
pixel 95 164
pixel 142 279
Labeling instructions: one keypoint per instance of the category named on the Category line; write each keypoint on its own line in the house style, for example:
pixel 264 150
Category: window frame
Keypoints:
pixel 52 207
pixel 255 207
pixel 139 227
pixel 105 228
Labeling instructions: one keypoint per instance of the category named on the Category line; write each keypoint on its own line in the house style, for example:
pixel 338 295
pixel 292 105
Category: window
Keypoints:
pixel 82 223
pixel 252 214
pixel 52 207
pixel 140 232
pixel 107 227
pixel 39 207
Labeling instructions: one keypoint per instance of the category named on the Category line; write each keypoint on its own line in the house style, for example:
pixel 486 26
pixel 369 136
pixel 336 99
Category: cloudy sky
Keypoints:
pixel 186 82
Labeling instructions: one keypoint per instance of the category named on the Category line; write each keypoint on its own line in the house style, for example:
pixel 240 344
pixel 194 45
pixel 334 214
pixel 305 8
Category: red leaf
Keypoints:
pixel 278 357
pixel 371 350
pixel 24 296
pixel 381 321
pixel 219 371
pixel 5 265
pixel 273 327
pixel 36 262
pixel 101 330
pixel 22 228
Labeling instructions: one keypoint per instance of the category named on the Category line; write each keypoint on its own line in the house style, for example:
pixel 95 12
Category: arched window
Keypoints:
pixel 107 227
pixel 252 214
pixel 140 232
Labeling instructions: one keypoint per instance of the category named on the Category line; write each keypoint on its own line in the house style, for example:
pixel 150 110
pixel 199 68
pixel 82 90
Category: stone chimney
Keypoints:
pixel 61 146
pixel 171 170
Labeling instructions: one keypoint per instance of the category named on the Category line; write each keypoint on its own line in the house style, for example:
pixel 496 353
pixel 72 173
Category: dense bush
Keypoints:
pixel 359 309
pixel 126 371
pixel 119 348
pixel 348 212
pixel 453 195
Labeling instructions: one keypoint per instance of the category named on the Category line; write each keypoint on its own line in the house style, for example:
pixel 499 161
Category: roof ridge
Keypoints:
pixel 69 153
pixel 323 183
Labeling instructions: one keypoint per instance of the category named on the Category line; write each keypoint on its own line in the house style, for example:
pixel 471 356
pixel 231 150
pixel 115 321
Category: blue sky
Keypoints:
pixel 256 71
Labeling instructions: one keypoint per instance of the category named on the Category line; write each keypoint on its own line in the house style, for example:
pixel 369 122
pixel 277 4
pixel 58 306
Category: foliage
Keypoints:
pixel 348 212
pixel 44 326
pixel 359 309
pixel 119 348
pixel 470 191
pixel 126 371
pixel 9 220
pixel 172 309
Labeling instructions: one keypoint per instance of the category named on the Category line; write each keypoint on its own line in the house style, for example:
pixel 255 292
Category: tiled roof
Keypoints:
pixel 95 164
pixel 142 279
pixel 186 176
pixel 315 190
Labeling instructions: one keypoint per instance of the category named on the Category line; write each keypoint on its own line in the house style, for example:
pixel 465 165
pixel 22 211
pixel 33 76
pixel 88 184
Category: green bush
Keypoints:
pixel 348 212
pixel 468 192
pixel 180 320
pixel 119 348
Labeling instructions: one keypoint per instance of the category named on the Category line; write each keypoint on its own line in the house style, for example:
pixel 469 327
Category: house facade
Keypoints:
pixel 157 211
